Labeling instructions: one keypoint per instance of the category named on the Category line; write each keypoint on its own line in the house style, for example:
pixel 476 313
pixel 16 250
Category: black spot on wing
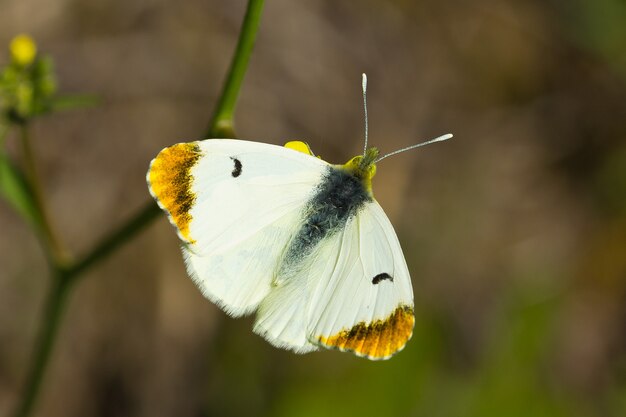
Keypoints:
pixel 237 170
pixel 381 277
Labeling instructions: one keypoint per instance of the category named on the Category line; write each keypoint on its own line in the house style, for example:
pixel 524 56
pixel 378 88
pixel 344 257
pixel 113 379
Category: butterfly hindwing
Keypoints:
pixel 234 205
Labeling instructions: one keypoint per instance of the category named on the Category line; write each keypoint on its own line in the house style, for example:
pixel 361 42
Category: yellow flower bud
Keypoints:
pixel 23 50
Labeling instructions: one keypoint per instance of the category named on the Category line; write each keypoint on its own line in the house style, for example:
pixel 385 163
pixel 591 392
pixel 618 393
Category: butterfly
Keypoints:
pixel 301 242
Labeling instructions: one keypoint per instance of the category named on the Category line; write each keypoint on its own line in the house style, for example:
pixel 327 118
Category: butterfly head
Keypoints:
pixel 363 167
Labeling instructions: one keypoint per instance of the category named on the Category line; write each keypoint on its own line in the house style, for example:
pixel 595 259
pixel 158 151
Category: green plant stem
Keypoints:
pixel 66 274
pixel 52 315
pixel 114 240
pixel 222 125
pixel 56 252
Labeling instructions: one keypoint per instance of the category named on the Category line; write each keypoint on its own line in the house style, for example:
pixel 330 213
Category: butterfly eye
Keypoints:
pixel 237 169
pixel 381 277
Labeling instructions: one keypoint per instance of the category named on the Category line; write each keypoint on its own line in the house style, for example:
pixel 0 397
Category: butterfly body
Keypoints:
pixel 338 197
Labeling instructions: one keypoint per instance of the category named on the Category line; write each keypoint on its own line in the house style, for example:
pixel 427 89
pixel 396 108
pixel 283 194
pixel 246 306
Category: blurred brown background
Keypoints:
pixel 515 230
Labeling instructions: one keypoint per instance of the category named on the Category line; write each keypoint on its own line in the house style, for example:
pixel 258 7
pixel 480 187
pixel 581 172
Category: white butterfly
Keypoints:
pixel 300 241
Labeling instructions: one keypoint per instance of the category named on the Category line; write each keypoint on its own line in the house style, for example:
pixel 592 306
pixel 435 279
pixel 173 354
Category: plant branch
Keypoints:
pixel 52 314
pixel 222 122
pixel 56 252
pixel 114 240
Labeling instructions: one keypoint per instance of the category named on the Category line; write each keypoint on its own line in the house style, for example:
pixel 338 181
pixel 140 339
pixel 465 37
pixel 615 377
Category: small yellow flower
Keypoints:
pixel 23 50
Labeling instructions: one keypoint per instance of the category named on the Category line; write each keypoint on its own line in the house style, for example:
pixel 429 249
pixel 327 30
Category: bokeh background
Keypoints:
pixel 515 230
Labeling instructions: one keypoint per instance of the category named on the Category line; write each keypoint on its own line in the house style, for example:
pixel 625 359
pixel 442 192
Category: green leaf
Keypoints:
pixel 14 189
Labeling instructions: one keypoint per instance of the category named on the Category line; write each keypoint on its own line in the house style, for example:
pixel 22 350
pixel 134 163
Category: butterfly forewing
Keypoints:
pixel 235 205
pixel 353 293
pixel 366 305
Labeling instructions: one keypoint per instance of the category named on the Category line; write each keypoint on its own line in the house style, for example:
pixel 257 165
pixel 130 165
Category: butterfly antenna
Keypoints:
pixel 408 148
pixel 364 85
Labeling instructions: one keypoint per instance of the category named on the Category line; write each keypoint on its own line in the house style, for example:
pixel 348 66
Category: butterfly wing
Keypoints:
pixel 234 204
pixel 366 305
pixel 353 293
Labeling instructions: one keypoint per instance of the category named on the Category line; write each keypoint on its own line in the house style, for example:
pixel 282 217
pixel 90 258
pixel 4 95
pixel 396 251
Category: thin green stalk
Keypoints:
pixel 56 252
pixel 114 240
pixel 52 314
pixel 222 122
pixel 66 274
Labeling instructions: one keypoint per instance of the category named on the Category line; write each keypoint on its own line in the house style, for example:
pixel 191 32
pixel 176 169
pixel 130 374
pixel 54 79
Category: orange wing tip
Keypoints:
pixel 379 339
pixel 170 181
